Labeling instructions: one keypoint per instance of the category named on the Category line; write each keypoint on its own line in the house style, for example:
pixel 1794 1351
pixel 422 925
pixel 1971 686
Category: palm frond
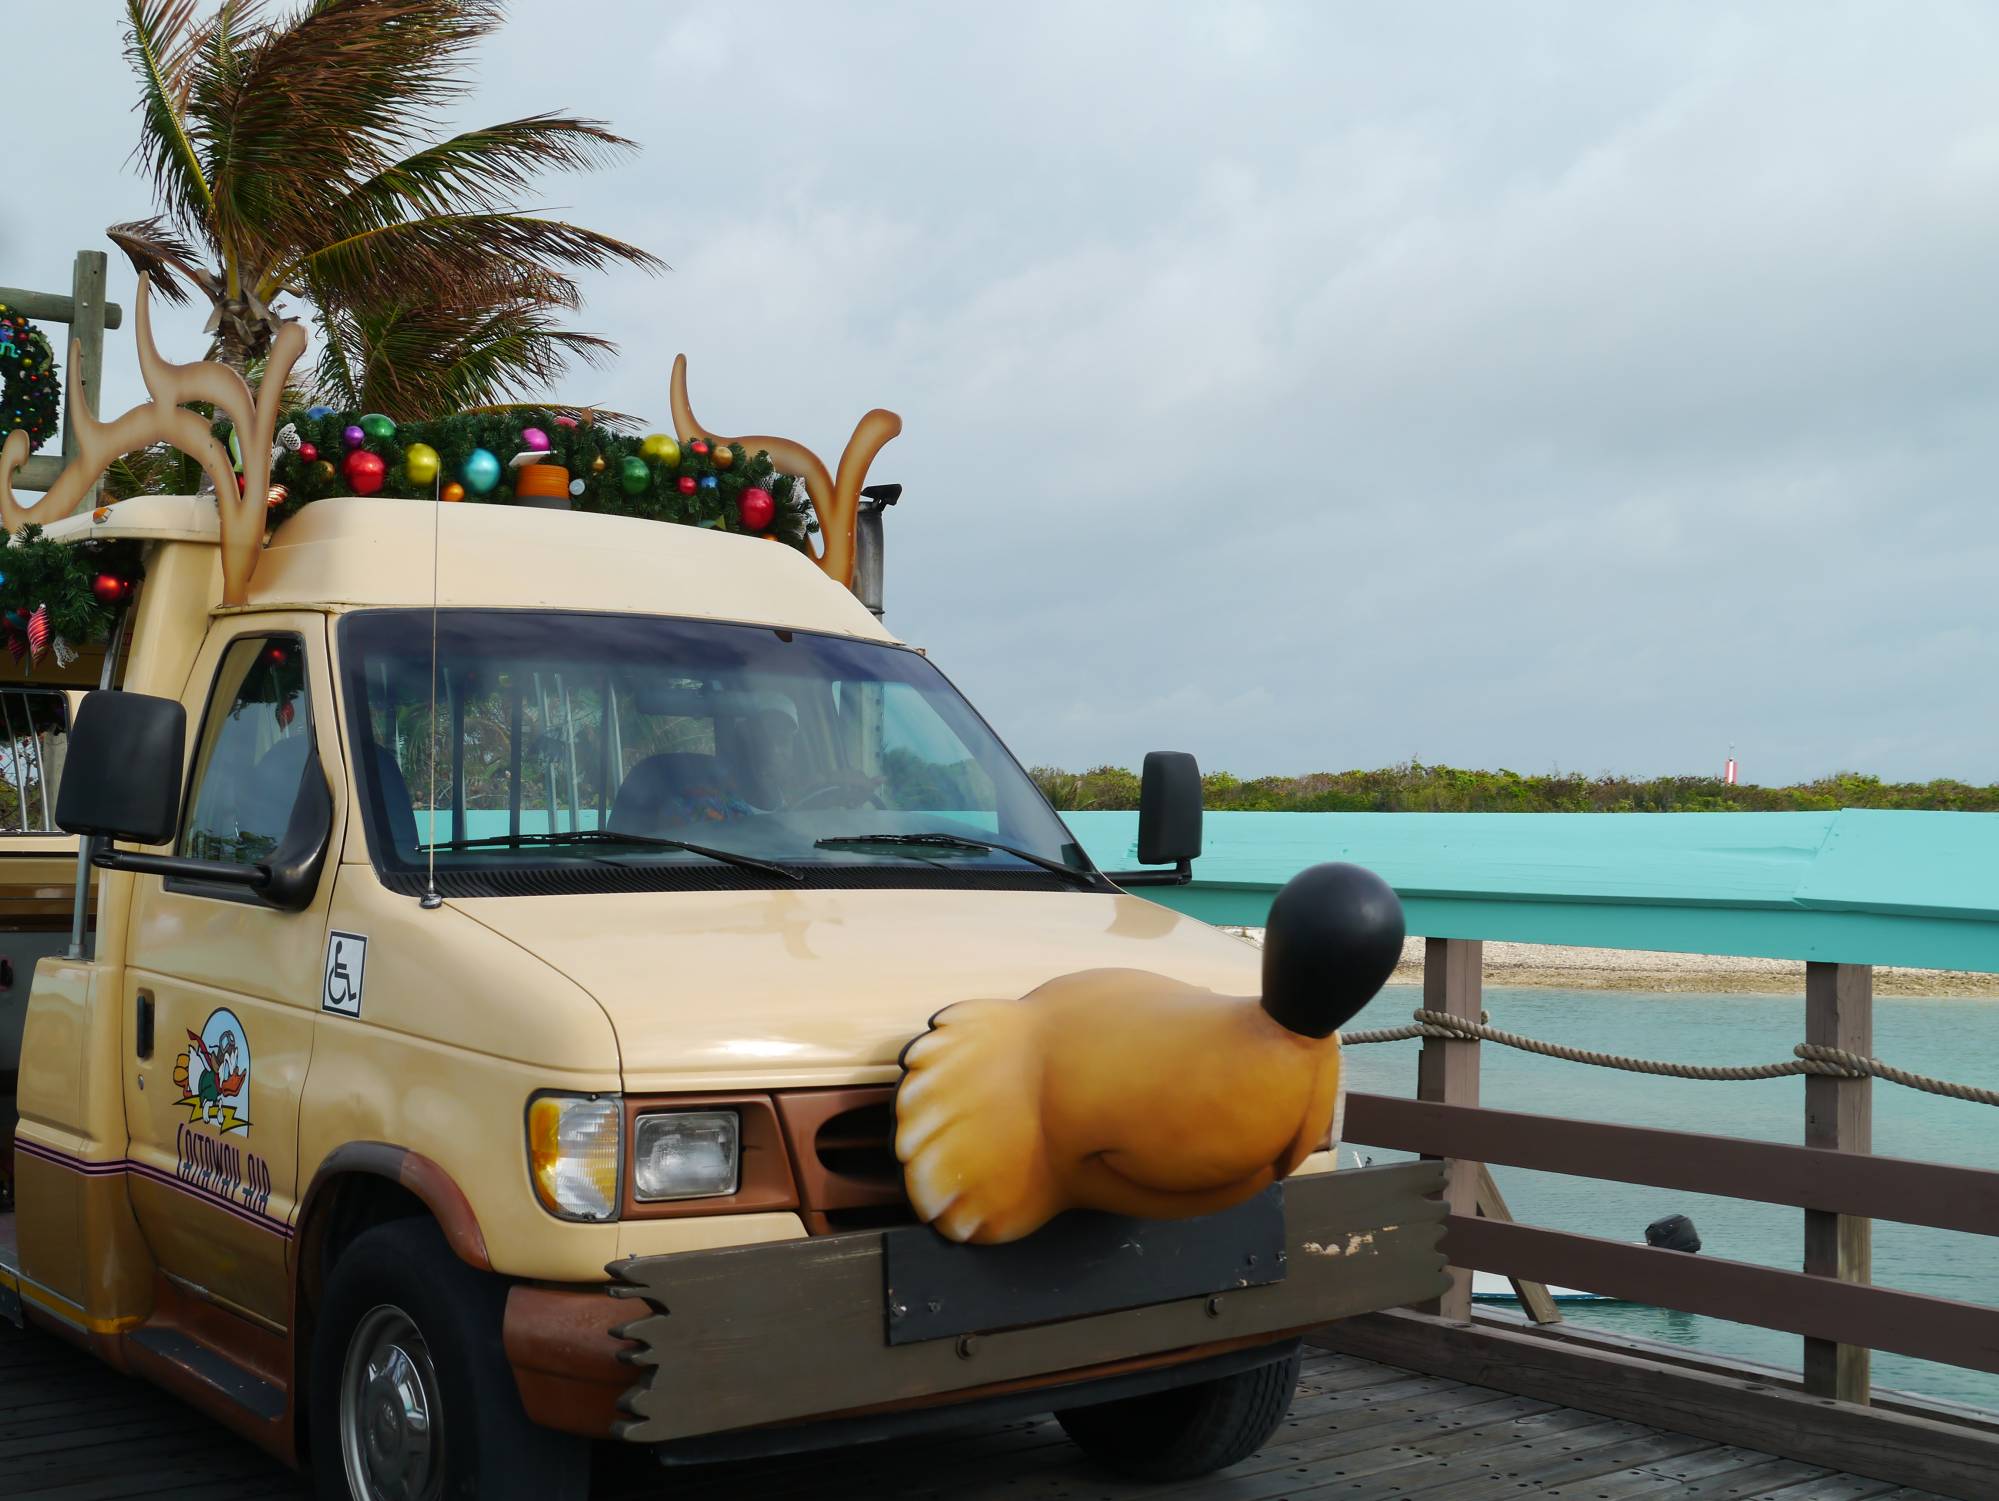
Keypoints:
pixel 487 168
pixel 161 37
pixel 157 250
pixel 435 251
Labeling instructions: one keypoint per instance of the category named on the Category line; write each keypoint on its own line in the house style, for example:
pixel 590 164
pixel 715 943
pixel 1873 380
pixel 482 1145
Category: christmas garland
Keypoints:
pixel 30 395
pixel 58 596
pixel 322 453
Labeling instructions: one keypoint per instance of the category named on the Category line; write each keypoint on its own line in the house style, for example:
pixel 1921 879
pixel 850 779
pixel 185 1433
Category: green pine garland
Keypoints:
pixel 594 455
pixel 30 394
pixel 35 572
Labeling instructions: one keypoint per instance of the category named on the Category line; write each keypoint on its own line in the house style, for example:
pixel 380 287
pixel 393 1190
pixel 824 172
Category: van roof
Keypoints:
pixel 355 553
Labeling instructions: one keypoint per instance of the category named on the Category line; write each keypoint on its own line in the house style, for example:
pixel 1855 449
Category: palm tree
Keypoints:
pixel 297 156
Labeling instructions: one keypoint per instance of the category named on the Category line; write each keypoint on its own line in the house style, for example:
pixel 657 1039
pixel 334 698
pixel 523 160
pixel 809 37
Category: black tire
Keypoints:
pixel 1188 1431
pixel 467 1428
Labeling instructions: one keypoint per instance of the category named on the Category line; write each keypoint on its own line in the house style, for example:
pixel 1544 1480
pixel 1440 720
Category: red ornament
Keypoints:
pixel 365 471
pixel 699 448
pixel 758 509
pixel 109 588
pixel 38 633
pixel 685 484
pixel 307 452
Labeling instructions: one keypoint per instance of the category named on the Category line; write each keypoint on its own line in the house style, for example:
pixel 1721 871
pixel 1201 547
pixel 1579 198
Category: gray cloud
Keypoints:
pixel 1319 385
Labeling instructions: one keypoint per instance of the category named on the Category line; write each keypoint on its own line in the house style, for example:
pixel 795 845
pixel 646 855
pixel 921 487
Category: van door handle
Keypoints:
pixel 144 1027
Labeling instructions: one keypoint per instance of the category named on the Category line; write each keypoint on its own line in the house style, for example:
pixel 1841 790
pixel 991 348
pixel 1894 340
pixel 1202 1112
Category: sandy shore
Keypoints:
pixel 1639 969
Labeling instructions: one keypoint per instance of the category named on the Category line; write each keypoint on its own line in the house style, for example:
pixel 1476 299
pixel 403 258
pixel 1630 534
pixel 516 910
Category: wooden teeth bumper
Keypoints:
pixel 784 1332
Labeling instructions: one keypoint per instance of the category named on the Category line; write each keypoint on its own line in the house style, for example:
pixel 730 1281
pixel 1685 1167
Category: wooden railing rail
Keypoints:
pixel 1849 1183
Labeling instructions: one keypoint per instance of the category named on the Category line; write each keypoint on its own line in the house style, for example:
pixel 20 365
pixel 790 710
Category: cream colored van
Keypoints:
pixel 471 1028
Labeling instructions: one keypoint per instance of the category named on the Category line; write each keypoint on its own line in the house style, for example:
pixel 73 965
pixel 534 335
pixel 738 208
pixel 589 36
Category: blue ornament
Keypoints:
pixel 482 471
pixel 708 481
pixel 317 412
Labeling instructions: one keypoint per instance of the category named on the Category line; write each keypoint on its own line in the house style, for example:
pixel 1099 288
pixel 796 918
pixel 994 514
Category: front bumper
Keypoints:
pixel 796 1331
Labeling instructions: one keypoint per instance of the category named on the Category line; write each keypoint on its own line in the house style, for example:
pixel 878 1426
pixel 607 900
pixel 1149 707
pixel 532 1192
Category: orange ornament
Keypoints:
pixel 454 491
pixel 724 457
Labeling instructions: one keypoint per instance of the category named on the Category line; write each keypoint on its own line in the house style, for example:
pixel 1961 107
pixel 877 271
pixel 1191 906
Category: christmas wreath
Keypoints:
pixel 58 596
pixel 30 397
pixel 536 457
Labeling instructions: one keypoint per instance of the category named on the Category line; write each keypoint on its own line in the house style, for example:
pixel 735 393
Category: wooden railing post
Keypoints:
pixel 86 326
pixel 1447 1072
pixel 1839 1113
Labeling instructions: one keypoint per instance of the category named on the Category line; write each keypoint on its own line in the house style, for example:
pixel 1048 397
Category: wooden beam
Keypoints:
pixel 51 307
pixel 1883 1188
pixel 86 327
pixel 1534 1298
pixel 1839 1117
pixel 1940 1456
pixel 1447 1072
pixel 1928 1328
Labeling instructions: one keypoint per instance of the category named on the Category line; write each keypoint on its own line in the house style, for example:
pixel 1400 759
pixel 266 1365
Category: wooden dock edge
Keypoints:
pixel 1953 1459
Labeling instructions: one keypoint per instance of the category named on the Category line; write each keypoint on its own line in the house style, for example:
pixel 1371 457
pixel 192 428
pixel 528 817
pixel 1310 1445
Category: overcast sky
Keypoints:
pixel 1583 386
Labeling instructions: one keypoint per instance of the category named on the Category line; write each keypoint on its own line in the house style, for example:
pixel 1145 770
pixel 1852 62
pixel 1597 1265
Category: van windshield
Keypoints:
pixel 608 752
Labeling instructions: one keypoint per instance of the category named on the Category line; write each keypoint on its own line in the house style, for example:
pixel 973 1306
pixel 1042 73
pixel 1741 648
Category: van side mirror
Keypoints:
pixel 122 777
pixel 1169 820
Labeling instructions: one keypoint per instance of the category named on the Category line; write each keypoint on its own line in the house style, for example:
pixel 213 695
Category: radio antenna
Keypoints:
pixel 431 900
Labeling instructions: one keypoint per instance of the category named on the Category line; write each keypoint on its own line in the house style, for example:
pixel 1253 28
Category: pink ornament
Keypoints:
pixel 534 439
pixel 38 633
pixel 565 421
pixel 758 509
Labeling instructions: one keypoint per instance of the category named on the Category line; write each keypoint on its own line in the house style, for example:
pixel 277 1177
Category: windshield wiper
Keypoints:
pixel 959 842
pixel 613 836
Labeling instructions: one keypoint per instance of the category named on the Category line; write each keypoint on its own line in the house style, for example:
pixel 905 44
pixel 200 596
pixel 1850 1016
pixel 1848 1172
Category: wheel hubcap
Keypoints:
pixel 389 1429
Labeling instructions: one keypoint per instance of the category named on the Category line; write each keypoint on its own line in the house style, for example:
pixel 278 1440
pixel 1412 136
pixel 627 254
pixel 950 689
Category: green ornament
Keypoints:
pixel 634 476
pixel 378 428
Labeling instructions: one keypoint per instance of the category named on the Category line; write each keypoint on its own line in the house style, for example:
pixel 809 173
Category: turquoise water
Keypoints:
pixel 1954 1039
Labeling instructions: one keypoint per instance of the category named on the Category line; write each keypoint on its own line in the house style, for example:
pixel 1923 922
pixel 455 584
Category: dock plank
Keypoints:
pixel 74 1430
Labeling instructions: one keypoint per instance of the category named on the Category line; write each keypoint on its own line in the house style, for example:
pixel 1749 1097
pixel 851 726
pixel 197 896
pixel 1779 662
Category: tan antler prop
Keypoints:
pixel 836 497
pixel 164 419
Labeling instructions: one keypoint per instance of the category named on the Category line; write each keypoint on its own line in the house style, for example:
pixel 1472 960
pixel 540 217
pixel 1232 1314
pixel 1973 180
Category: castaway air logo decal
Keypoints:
pixel 214 1073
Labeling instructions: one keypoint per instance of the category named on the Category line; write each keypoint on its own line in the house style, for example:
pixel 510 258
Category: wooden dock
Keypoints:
pixel 73 1430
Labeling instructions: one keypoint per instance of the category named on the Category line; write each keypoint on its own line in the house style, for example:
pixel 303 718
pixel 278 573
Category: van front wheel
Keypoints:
pixel 411 1395
pixel 1188 1431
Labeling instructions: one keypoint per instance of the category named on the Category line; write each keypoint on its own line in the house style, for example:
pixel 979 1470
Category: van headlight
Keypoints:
pixel 686 1154
pixel 575 1152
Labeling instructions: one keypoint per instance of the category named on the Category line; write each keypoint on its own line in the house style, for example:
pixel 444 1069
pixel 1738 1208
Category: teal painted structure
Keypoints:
pixel 1860 886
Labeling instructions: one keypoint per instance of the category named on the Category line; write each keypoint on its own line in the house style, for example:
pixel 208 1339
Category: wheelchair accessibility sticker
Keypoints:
pixel 346 958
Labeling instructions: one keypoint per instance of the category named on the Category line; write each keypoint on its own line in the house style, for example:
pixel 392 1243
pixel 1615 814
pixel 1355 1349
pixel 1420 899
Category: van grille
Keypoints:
pixel 843 1145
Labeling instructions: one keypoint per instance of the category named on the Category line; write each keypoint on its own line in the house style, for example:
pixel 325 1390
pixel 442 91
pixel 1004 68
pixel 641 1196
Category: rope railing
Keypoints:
pixel 1810 1058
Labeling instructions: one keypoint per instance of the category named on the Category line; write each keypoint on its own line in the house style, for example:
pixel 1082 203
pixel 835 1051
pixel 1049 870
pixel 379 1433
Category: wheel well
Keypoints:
pixel 341 1211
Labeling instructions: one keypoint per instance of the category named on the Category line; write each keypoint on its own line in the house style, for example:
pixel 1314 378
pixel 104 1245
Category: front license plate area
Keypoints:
pixel 1079 1263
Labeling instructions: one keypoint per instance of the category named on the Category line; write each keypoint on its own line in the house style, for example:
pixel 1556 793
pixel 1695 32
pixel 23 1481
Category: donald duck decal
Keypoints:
pixel 213 1074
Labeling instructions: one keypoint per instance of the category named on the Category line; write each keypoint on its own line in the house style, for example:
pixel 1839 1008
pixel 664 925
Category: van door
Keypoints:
pixel 222 991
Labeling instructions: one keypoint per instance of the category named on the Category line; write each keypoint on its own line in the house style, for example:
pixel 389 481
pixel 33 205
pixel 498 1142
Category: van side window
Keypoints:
pixel 34 733
pixel 256 737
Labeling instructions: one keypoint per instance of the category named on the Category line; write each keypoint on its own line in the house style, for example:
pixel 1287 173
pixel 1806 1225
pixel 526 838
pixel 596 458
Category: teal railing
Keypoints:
pixel 1853 887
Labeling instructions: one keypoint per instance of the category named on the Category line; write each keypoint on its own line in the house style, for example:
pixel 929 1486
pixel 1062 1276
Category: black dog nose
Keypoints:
pixel 1333 938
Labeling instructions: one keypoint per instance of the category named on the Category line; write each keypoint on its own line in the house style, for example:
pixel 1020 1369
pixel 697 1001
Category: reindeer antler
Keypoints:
pixel 164 419
pixel 836 498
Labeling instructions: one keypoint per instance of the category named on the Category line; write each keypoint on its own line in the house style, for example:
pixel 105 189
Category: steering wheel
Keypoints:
pixel 820 797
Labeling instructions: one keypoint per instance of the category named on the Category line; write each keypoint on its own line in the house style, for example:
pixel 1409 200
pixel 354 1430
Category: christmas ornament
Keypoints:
pixel 685 484
pixel 660 449
pixel 379 429
pixel 38 633
pixel 454 491
pixel 307 452
pixel 482 470
pixel 565 420
pixel 365 471
pixel 322 473
pixel 278 496
pixel 287 440
pixel 724 457
pixel 699 448
pixel 108 587
pixel 534 438
pixel 421 463
pixel 315 413
pixel 30 396
pixel 597 464
pixel 352 436
pixel 235 452
pixel 757 508
pixel 541 482
pixel 577 487
pixel 709 482
pixel 17 647
pixel 65 653
pixel 634 476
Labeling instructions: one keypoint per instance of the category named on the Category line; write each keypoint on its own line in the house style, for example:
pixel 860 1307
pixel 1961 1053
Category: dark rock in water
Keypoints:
pixel 1673 1233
